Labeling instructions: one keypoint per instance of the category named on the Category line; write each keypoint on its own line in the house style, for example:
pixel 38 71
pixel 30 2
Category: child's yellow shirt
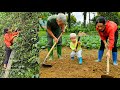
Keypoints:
pixel 73 46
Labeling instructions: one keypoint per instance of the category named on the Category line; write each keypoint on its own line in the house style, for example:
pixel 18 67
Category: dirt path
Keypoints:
pixel 67 68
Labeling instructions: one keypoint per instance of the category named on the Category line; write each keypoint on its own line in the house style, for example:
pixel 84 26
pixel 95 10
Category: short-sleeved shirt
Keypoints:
pixel 52 24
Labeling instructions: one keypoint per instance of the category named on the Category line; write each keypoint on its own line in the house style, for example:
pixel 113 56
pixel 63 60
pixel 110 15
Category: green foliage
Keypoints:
pixel 74 29
pixel 118 42
pixel 28 51
pixel 44 15
pixel 113 16
pixel 118 27
pixel 72 20
pixel 42 41
pixel 90 27
pixel 94 19
pixel 90 42
pixel 66 40
pixel 26 45
pixel 80 28
pixel 2 50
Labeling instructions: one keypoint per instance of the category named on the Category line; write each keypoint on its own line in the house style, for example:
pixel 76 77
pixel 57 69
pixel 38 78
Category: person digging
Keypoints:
pixel 107 30
pixel 55 26
pixel 75 47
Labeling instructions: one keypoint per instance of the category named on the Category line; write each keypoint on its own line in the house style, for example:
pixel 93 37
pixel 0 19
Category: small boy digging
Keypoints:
pixel 75 51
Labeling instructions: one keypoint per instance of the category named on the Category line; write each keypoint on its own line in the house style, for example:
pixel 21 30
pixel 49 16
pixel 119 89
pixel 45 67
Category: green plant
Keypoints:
pixel 26 45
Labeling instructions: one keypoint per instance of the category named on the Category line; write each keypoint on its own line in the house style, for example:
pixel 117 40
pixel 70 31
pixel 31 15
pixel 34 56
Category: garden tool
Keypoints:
pixel 77 43
pixel 80 58
pixel 107 71
pixel 45 65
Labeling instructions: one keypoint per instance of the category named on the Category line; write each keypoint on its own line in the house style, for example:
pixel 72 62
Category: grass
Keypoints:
pixel 42 33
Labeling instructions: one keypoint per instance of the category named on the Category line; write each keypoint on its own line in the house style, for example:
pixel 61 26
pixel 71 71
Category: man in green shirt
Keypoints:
pixel 55 26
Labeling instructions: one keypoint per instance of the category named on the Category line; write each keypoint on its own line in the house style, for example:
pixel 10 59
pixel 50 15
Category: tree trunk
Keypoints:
pixel 84 14
pixel 89 17
pixel 69 19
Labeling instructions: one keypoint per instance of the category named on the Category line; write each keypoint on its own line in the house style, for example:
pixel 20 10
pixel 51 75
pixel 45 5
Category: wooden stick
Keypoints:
pixel 107 65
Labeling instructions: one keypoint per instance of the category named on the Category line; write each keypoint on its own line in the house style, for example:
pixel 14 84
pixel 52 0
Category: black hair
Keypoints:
pixel 101 19
pixel 5 30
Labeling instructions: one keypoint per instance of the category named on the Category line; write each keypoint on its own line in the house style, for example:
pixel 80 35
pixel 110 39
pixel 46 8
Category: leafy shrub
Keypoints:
pixel 26 48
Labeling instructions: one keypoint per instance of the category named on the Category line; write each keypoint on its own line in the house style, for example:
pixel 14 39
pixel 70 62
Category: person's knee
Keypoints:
pixel 72 54
pixel 79 55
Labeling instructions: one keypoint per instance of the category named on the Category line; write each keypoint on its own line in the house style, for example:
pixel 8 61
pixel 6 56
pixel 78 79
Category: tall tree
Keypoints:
pixel 89 17
pixel 69 14
pixel 84 14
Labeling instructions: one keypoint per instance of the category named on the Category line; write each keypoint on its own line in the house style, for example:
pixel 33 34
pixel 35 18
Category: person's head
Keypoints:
pixel 5 30
pixel 100 23
pixel 73 37
pixel 61 19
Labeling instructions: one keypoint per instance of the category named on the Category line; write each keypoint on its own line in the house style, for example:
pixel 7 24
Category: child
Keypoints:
pixel 8 40
pixel 73 45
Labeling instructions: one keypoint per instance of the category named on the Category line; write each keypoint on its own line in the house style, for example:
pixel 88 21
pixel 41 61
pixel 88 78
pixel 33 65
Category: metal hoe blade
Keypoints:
pixel 106 76
pixel 46 65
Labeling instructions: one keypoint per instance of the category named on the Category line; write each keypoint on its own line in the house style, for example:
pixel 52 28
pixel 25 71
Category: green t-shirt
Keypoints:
pixel 51 23
pixel 73 46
